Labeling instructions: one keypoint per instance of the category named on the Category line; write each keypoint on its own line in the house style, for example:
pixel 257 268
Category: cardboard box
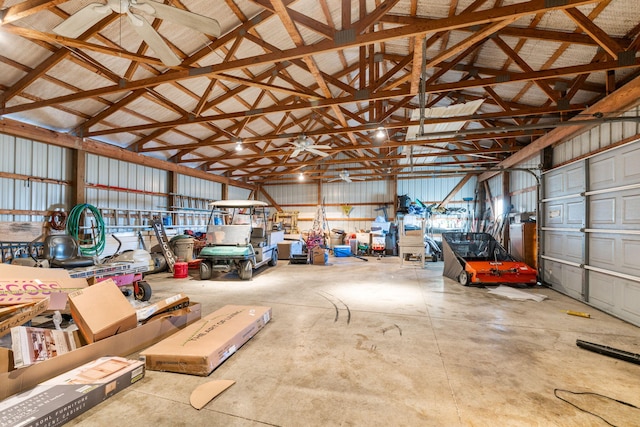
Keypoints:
pixel 289 248
pixel 204 345
pixel 31 345
pixel 122 344
pixel 317 256
pixel 175 301
pixel 6 360
pixel 19 284
pixel 21 316
pixel 101 311
pixel 62 398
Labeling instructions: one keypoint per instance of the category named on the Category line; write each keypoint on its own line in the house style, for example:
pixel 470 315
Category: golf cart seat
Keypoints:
pixel 62 252
pixel 257 236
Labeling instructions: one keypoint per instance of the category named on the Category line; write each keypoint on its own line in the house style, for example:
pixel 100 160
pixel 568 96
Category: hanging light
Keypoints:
pixel 238 145
pixel 381 132
pixel 301 177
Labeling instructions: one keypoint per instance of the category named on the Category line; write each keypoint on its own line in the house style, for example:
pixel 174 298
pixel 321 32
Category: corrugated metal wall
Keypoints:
pixel 38 160
pixel 434 190
pixel 597 138
pixel 199 188
pixel 523 186
pixel 116 184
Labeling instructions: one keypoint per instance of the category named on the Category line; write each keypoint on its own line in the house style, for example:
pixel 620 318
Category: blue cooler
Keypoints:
pixel 342 251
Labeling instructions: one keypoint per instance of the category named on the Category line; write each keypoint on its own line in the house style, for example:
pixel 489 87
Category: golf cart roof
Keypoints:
pixel 237 203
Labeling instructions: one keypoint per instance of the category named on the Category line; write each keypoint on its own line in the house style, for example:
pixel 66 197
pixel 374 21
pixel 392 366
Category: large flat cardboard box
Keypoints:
pixel 204 345
pixel 62 398
pixel 19 284
pixel 124 344
pixel 101 311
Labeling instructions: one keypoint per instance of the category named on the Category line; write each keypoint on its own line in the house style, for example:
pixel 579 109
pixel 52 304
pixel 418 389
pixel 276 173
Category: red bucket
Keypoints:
pixel 180 270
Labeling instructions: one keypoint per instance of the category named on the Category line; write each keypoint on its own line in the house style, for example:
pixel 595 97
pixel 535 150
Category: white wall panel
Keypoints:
pixel 198 188
pixel 238 193
pixel 434 190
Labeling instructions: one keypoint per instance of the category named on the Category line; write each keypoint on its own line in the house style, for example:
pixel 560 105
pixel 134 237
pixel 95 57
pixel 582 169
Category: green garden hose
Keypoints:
pixel 73 228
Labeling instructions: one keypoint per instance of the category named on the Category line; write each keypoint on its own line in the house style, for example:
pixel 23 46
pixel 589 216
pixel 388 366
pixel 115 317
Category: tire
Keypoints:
pixel 144 291
pixel 205 270
pixel 245 270
pixel 274 258
pixel 463 278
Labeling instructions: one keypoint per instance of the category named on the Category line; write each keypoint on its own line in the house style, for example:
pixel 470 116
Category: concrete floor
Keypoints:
pixel 404 347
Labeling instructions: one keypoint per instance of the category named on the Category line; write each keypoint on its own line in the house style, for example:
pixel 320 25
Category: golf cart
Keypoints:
pixel 237 239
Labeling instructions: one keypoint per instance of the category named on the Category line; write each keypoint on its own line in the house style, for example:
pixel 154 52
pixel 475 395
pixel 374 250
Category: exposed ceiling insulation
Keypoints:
pixel 333 70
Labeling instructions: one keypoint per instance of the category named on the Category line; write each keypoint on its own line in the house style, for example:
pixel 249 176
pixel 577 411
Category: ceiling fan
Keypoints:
pixel 91 14
pixel 344 176
pixel 303 143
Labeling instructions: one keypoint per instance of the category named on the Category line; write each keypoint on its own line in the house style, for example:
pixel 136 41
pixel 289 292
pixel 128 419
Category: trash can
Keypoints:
pixel 183 248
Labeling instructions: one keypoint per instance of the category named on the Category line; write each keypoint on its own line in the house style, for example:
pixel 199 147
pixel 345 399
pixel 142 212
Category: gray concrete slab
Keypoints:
pixel 374 343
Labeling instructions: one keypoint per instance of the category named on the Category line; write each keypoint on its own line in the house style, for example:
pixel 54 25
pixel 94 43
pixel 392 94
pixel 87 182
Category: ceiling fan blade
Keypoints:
pixel 154 40
pixel 183 17
pixel 323 147
pixel 295 152
pixel 346 178
pixel 334 179
pixel 75 25
pixel 317 152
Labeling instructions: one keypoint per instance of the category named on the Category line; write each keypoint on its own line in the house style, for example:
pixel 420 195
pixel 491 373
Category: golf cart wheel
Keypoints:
pixel 143 293
pixel 205 270
pixel 245 270
pixel 463 278
pixel 274 258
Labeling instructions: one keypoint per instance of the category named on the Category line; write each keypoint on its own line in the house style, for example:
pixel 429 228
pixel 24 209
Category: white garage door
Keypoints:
pixel 591 231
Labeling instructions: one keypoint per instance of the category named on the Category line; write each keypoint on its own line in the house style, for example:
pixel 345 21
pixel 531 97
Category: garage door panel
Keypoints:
pixel 603 211
pixel 572 281
pixel 615 295
pixel 630 301
pixel 575 213
pixel 631 209
pixel 601 251
pixel 602 173
pixel 630 170
pixel 618 210
pixel 607 213
pixel 615 252
pixel 564 181
pixel 565 213
pixel 601 290
pixel 563 278
pixel 564 245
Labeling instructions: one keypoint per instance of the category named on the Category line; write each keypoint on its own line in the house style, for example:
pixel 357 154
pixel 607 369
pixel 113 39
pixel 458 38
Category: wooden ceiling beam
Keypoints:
pixel 437 88
pixel 596 33
pixel 459 21
pixel 368 127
